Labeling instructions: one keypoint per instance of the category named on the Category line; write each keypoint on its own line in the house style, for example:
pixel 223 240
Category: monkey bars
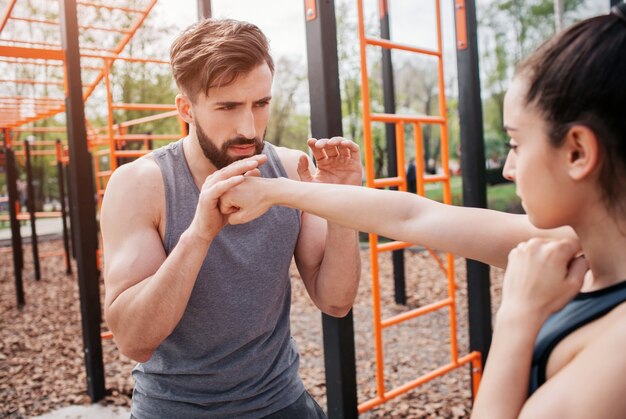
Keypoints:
pixel 43 53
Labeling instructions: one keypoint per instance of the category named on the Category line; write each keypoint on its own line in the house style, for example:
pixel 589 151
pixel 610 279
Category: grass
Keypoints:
pixel 500 197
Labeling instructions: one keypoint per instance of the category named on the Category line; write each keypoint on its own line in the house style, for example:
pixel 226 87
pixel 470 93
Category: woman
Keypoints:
pixel 565 115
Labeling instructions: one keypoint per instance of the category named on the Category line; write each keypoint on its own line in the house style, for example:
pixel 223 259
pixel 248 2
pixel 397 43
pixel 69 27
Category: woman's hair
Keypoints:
pixel 579 77
pixel 214 52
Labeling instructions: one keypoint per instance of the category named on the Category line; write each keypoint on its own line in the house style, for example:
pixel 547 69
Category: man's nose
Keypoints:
pixel 246 125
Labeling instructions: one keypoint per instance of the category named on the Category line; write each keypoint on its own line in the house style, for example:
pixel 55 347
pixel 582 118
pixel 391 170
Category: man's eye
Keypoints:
pixel 262 104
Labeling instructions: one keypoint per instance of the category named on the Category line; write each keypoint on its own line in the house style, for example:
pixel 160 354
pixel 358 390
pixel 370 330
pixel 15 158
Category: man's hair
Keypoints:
pixel 579 77
pixel 214 52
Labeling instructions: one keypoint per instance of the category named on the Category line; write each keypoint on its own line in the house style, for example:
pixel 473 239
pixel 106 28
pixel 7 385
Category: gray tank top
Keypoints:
pixel 232 354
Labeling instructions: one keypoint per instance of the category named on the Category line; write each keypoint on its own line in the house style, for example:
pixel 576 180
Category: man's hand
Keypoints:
pixel 208 220
pixel 338 161
pixel 247 201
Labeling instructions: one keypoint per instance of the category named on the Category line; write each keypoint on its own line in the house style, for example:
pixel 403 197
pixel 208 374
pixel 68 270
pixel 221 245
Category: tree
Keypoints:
pixel 286 126
pixel 510 30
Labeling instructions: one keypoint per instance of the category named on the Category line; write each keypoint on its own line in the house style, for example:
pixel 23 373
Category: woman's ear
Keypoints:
pixel 183 106
pixel 581 145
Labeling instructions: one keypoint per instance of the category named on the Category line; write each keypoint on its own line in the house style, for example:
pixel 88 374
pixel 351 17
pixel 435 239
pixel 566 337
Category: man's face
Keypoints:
pixel 230 122
pixel 221 157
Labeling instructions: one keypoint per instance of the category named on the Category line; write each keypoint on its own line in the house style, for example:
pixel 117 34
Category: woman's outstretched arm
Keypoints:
pixel 484 235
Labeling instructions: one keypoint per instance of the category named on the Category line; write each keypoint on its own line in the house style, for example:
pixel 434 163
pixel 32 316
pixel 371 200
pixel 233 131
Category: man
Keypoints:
pixel 201 305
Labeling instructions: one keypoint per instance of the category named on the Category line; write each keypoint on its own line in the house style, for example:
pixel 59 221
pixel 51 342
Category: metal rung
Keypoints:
pixel 395 245
pixel 417 312
pixel 420 119
pixel 388 181
pixel 394 45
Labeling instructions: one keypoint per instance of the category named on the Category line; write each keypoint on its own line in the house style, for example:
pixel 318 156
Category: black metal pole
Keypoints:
pixel 31 210
pixel 325 99
pixel 473 169
pixel 83 202
pixel 204 9
pixel 389 99
pixel 70 211
pixel 16 236
pixel 66 241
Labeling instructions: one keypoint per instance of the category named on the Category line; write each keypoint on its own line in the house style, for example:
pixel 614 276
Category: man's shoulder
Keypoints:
pixel 144 168
pixel 139 178
pixel 289 157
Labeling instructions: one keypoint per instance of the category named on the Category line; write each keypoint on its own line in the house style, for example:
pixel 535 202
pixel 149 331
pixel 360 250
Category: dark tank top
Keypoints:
pixel 232 354
pixel 583 309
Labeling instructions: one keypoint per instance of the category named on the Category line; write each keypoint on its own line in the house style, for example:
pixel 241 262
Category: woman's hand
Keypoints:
pixel 542 276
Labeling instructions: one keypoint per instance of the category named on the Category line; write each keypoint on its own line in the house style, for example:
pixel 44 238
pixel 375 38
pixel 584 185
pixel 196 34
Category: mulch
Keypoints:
pixel 42 364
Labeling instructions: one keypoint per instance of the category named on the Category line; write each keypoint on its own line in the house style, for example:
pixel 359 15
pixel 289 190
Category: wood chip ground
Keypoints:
pixel 41 359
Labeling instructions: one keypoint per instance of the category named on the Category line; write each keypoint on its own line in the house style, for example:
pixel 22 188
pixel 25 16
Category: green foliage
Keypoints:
pixel 510 30
pixel 500 197
pixel 288 125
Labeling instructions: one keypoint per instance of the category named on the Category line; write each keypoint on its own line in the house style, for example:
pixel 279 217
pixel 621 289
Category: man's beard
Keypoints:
pixel 219 156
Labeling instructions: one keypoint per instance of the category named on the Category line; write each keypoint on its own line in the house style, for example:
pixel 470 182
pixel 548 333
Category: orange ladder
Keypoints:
pixel 376 248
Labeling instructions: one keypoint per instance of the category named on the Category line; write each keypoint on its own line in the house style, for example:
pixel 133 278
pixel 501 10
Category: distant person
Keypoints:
pixel 201 305
pixel 494 162
pixel 559 338
pixel 411 177
pixel 22 193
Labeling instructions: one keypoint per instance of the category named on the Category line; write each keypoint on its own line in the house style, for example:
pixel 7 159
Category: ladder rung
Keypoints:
pixel 395 245
pixel 394 45
pixel 416 312
pixel 436 178
pixel 131 153
pixel 423 119
pixel 144 106
pixel 388 181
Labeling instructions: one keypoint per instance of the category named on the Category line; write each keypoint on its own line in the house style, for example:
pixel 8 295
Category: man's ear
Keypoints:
pixel 583 152
pixel 183 106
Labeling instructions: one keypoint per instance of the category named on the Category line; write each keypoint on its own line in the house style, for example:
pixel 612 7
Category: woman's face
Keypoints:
pixel 536 167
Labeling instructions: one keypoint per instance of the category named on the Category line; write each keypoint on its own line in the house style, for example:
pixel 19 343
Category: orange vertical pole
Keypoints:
pixel 7 135
pixel 419 158
pixel 112 147
pixel 446 186
pixel 400 170
pixel 443 110
pixel 376 312
pixel 369 180
pixel 365 100
pixel 183 127
pixel 477 373
pixel 454 351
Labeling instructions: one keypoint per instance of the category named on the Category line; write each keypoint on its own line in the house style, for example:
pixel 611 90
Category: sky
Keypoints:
pixel 283 20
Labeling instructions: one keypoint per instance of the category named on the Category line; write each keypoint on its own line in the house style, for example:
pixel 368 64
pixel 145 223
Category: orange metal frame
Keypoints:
pixel 418 121
pixel 17 111
pixel 59 152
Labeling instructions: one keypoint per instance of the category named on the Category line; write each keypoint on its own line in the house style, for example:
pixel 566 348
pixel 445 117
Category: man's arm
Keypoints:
pixel 147 292
pixel 327 254
pixel 474 233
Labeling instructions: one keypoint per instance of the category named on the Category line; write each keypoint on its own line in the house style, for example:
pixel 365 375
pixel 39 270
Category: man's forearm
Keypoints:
pixel 340 270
